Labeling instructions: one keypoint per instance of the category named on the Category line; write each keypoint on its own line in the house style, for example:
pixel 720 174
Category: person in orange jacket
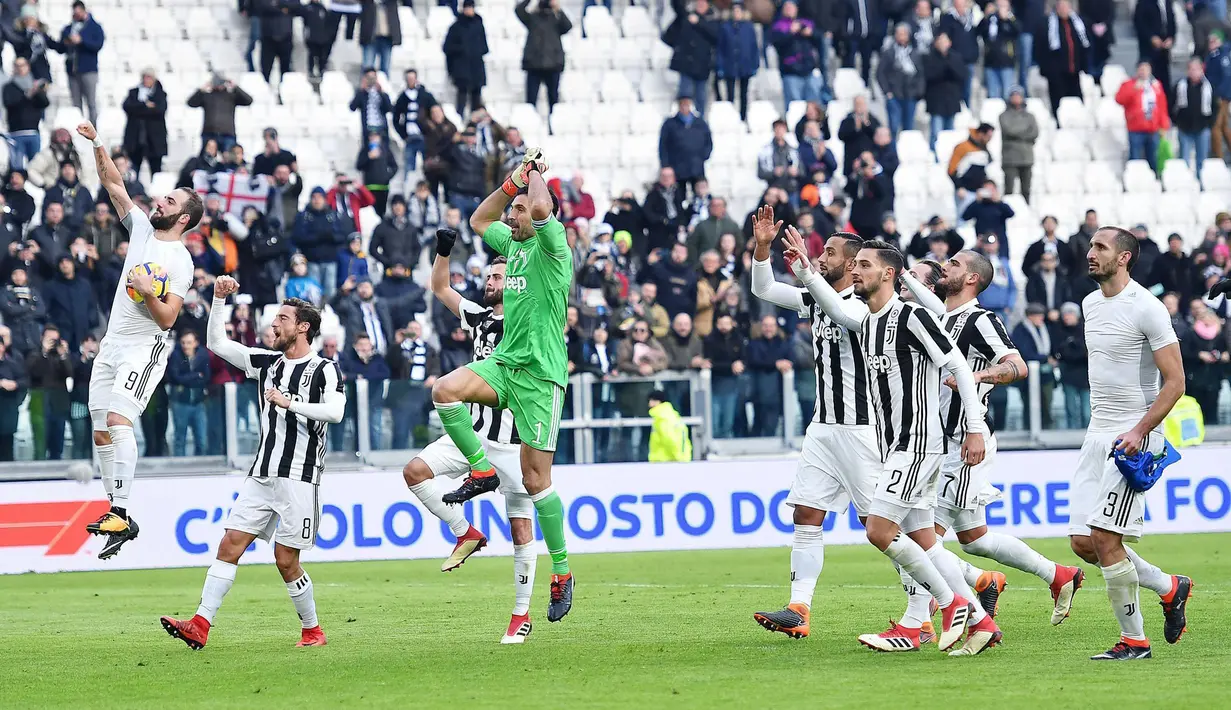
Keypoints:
pixel 1145 111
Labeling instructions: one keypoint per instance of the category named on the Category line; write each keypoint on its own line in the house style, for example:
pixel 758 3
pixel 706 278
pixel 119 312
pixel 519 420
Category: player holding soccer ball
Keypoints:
pixel 133 353
pixel 528 370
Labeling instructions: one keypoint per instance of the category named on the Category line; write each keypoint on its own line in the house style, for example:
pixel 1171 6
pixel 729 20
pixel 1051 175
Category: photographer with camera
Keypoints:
pixel 49 368
pixel 991 216
pixel 23 310
pixel 543 57
pixel 868 187
pixel 25 99
pixel 219 99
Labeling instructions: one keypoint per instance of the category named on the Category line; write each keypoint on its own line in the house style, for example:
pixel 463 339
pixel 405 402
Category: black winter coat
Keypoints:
pixel 694 45
pixel 464 47
pixel 395 244
pixel 146 131
pixel 946 79
pixel 24 112
pixel 466 172
pixel 24 313
pixel 965 42
pixel 71 304
pixel 367 20
pixel 277 19
pixel 320 26
pixel 999 52
pixel 544 49
pixel 12 368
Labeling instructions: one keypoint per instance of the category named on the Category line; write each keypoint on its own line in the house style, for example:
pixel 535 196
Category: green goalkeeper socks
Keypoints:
pixel 551 522
pixel 455 418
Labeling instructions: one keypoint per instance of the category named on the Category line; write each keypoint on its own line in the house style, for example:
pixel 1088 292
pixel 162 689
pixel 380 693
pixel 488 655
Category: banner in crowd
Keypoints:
pixel 237 192
pixel 609 508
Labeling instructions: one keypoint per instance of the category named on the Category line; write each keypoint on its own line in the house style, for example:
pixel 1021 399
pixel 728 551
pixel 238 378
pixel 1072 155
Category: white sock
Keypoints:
pixel 1008 550
pixel 969 572
pixel 948 565
pixel 431 496
pixel 218 581
pixel 301 595
pixel 106 467
pixel 125 443
pixel 918 602
pixel 1150 577
pixel 524 559
pixel 1122 589
pixel 807 559
pixel 910 557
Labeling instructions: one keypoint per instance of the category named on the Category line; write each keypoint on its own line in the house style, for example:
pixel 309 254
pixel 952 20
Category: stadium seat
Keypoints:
pixel 578 88
pixel 1209 204
pixel 910 179
pixel 439 19
pixel 990 113
pixel 615 88
pixel 1069 146
pixel 723 118
pixel 1073 114
pixel 1138 177
pixel 761 117
pixel 1177 177
pixel 1101 178
pixel 847 84
pixel 945 143
pixel 1064 178
pixel 1113 76
pixel 913 148
pixel 637 24
pixel 1215 175
pixel 1138 208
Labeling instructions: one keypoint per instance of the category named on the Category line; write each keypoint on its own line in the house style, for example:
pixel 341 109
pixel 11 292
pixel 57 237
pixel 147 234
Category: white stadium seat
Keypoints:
pixel 913 148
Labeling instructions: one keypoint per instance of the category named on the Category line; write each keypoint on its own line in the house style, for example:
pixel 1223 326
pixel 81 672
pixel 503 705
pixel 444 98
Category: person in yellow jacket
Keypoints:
pixel 669 437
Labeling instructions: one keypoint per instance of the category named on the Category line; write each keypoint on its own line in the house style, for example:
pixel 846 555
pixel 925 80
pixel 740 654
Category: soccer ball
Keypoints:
pixel 160 281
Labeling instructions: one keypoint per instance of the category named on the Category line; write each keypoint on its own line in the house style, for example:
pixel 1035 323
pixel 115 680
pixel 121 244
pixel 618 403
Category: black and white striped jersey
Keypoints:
pixel 842 392
pixel 486 329
pixel 905 349
pixel 980 336
pixel 292 445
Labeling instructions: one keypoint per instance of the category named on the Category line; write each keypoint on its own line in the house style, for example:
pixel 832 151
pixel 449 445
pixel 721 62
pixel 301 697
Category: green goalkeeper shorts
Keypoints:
pixel 537 405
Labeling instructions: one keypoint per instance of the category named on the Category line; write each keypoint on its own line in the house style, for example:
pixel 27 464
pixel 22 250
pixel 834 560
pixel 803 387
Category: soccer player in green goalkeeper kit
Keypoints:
pixel 528 370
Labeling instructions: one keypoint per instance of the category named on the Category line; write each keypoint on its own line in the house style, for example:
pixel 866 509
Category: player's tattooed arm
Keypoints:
pixel 110 178
pixel 1007 371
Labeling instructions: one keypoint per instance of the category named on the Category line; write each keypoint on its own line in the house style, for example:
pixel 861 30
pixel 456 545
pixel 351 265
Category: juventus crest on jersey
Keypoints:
pixel 486 329
pixel 842 393
pixel 904 349
pixel 981 337
pixel 291 445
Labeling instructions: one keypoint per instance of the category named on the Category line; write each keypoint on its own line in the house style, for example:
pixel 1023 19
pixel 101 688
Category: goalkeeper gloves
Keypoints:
pixel 444 241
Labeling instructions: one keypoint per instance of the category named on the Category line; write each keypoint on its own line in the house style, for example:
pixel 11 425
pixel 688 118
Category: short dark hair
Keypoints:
pixel 1124 241
pixel 985 128
pixel 887 253
pixel 982 266
pixel 851 245
pixel 306 313
pixel 555 201
pixel 78 5
pixel 778 122
pixel 657 396
pixel 51 328
pixel 194 207
pixel 934 271
pixel 498 260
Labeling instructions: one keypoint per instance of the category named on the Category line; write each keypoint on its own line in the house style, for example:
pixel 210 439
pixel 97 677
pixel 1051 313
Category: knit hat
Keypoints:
pixel 603 228
pixel 623 238
pixel 1070 307
pixel 29 11
pixel 475 262
pixel 1015 89
pixel 318 190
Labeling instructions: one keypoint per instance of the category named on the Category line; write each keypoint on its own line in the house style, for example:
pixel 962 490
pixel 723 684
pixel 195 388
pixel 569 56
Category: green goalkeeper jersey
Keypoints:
pixel 536 286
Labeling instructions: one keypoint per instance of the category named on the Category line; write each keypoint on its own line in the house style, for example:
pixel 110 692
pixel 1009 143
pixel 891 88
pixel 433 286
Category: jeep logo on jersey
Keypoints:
pixel 516 284
pixel 829 332
pixel 878 363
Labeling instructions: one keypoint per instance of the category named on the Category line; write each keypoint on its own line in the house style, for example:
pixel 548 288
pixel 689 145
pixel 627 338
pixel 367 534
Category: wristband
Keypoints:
pixel 509 188
pixel 97 143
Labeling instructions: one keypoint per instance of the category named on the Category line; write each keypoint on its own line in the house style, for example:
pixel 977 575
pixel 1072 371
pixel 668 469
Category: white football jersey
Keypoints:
pixel 133 320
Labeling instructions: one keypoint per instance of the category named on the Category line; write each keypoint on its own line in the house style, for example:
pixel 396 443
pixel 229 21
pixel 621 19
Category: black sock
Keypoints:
pixel 122 512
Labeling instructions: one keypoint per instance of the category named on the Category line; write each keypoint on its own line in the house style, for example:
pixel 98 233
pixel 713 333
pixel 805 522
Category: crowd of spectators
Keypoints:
pixel 662 283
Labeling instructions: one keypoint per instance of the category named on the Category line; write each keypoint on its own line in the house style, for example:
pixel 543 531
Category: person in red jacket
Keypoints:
pixel 1145 111
pixel 356 198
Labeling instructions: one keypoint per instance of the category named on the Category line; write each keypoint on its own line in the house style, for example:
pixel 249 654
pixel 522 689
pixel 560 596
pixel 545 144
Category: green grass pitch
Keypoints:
pixel 671 629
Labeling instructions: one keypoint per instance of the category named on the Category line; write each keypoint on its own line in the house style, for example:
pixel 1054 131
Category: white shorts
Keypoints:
pixel 284 510
pixel 907 482
pixel 1100 497
pixel 837 466
pixel 445 459
pixel 125 375
pixel 963 490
